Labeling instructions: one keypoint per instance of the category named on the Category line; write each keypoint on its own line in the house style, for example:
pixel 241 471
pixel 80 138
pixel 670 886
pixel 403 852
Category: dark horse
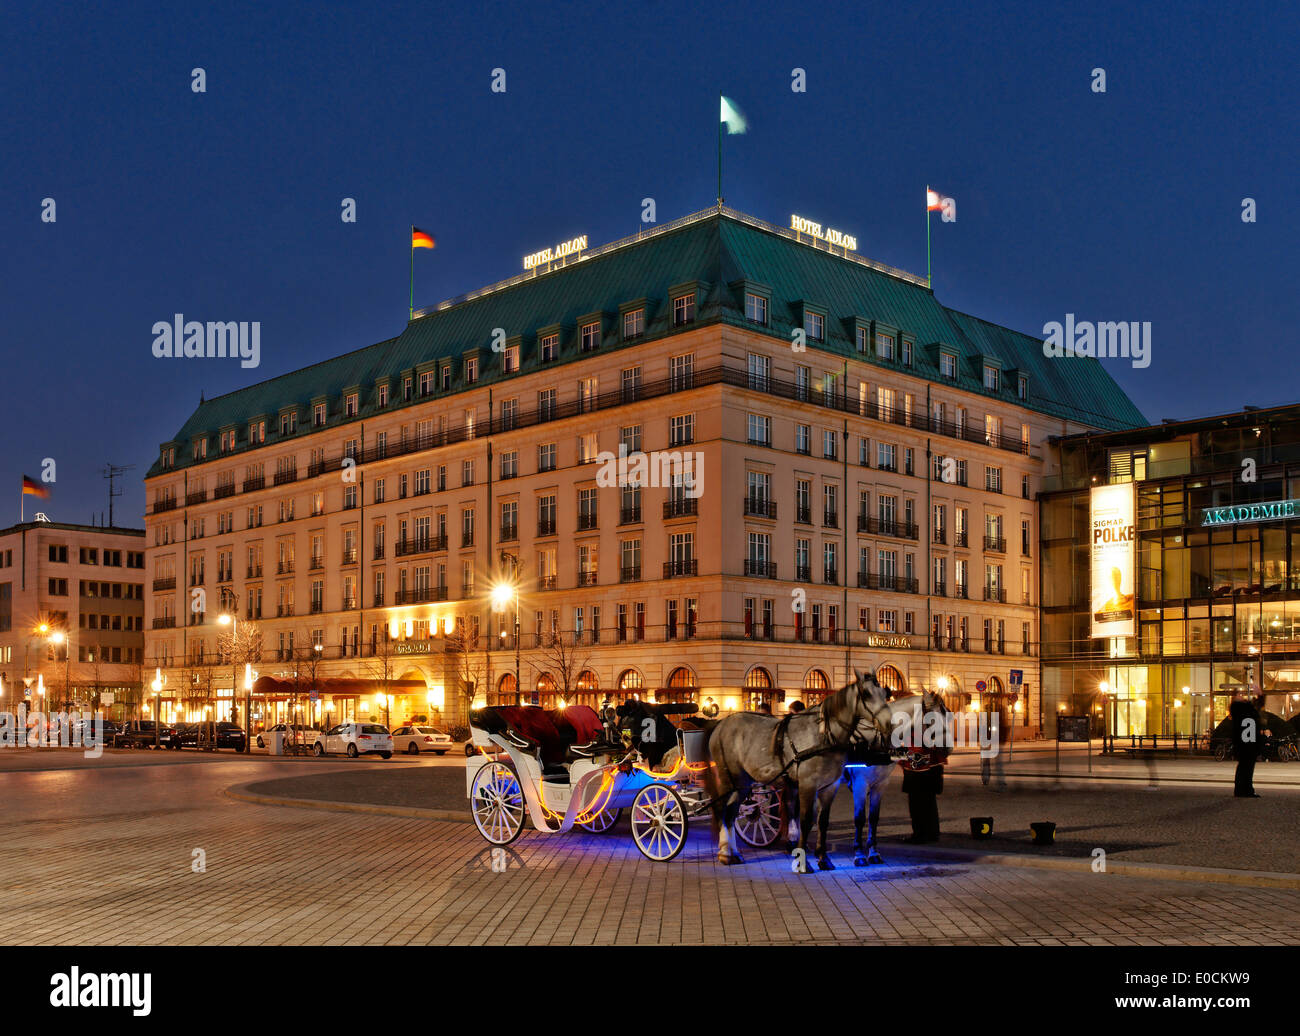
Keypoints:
pixel 808 749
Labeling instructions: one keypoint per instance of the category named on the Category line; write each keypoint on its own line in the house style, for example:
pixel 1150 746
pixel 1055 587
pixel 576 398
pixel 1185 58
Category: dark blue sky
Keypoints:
pixel 225 205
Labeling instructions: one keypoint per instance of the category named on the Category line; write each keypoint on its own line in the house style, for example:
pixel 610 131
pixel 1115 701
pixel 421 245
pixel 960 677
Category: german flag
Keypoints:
pixel 33 488
pixel 421 238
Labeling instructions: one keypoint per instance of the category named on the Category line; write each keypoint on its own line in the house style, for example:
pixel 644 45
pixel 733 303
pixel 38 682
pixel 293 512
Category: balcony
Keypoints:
pixel 803 573
pixel 223 491
pixel 420 595
pixel 466 539
pixel 349 604
pixel 316 563
pixel 629 574
pixel 253 484
pixel 379 599
pixel 509 533
pixel 831 576
pixel 761 569
pixel 960 540
pixel 941 536
pixel 198 496
pixel 165 584
pixel 962 591
pixel 286 476
pixel 546 527
pixel 681 567
pixel 887 581
pixel 759 507
pixel 630 515
pixel 681 507
pixel 284 568
pixel 995 593
pixel 379 552
pixel 547 582
pixel 587 521
pixel 803 514
pixel 887 527
pixel 830 520
pixel 940 589
pixel 254 572
pixel 995 543
pixel 283 611
pixel 587 578
pixel 166 504
pixel 167 622
pixel 317 607
pixel 350 556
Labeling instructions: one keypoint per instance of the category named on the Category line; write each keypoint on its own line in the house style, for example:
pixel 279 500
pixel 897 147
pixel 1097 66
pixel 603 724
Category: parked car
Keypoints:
pixel 355 739
pixel 136 733
pixel 83 729
pixel 416 739
pixel 172 734
pixel 304 734
pixel 222 735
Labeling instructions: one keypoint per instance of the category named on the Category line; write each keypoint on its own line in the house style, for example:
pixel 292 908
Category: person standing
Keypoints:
pixel 923 784
pixel 1246 731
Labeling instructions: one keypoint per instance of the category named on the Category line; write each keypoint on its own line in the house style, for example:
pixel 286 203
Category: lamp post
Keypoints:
pixel 501 594
pixel 58 637
pixel 39 630
pixel 231 619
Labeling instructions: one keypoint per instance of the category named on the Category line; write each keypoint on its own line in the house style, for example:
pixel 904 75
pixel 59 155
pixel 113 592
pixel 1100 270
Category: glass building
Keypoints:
pixel 1214 549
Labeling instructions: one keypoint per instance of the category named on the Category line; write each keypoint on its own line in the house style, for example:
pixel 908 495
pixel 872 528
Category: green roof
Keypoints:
pixel 716 250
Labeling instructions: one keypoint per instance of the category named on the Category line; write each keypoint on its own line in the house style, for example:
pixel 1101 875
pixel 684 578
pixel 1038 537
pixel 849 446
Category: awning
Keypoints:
pixel 336 687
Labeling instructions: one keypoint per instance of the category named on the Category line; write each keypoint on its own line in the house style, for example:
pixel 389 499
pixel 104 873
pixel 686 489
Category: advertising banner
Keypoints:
pixel 1111 531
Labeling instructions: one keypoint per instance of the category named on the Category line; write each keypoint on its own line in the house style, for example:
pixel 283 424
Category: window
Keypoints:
pixel 445 376
pixel 510 359
pixel 803 439
pixel 381 395
pixel 466 473
pixel 907 353
pixel 471 370
pixel 546 404
pixel 546 456
pixel 885 347
pixel 683 309
pixel 681 430
pixel 509 413
pixel 948 366
pixel 591 336
pixel 548 347
pixel 863 338
pixel 992 478
pixel 633 324
pixel 1022 387
pixel 814 325
pixel 830 444
pixel 886 456
pixel 755 308
pixel 991 378
pixel 629 439
pixel 760 368
pixel 318 415
pixel 760 430
pixel 681 372
pixel 631 384
pixel 350 405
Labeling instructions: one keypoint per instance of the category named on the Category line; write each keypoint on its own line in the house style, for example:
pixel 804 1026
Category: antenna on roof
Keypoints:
pixel 111 472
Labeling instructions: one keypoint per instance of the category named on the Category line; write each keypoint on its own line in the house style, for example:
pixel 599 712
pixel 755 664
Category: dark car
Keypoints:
pixel 172 734
pixel 219 735
pixel 136 733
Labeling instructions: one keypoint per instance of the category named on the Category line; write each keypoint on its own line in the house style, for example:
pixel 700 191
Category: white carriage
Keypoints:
pixel 569 767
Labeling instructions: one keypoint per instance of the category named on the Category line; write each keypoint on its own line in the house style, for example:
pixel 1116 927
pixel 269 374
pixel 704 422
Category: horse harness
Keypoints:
pixel 828 744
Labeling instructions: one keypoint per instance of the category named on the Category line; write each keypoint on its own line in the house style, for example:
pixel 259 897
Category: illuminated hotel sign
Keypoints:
pixel 560 251
pixel 832 237
pixel 1273 512
pixel 888 640
pixel 1112 531
pixel 412 647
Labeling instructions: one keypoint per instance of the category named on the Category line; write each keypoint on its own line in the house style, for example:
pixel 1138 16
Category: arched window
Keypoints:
pixel 950 691
pixel 588 689
pixel 816 686
pixel 757 679
pixel 681 678
pixel 890 678
pixel 629 681
pixel 546 696
pixel 505 690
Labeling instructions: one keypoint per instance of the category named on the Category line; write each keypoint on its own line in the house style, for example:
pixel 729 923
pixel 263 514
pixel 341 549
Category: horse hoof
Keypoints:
pixel 859 860
pixel 875 858
pixel 824 864
pixel 731 860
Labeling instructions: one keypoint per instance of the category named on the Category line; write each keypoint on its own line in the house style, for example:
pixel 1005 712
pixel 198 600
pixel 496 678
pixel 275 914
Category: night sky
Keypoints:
pixel 226 205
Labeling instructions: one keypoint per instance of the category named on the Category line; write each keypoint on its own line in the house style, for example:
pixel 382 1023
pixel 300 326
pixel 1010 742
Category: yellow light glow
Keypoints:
pixel 448 625
pixel 394 629
pixel 57 637
pixel 942 683
pixel 1104 687
pixel 224 620
pixel 501 594
pixel 410 627
pixel 437 696
pixel 1177 704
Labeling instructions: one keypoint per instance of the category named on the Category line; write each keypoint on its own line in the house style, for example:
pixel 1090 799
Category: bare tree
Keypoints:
pixel 561 655
pixel 382 666
pixel 238 646
pixel 469 651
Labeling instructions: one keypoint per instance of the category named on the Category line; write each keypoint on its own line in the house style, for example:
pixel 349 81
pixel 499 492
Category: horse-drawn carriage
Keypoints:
pixel 571 767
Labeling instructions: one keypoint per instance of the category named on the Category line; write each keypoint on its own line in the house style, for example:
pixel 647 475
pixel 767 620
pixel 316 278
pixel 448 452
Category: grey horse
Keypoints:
pixel 808 749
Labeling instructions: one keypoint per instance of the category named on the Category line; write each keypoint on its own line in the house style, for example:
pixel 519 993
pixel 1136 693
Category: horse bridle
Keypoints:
pixel 853 738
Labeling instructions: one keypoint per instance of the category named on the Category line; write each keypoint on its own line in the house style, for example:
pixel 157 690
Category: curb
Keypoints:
pixel 1122 868
pixel 241 793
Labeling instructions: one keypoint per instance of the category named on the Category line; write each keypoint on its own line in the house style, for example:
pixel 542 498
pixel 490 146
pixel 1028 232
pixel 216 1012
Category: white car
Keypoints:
pixel 304 735
pixel 416 739
pixel 355 739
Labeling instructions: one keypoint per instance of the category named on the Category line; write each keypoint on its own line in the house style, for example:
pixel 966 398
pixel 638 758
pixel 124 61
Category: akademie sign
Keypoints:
pixel 1272 512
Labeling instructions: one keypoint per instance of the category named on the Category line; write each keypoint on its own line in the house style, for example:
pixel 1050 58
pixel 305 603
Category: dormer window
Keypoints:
pixel 814 326
pixel 382 396
pixel 350 405
pixel 289 422
pixel 683 309
pixel 885 347
pixel 426 383
pixel 907 352
pixel 1022 387
pixel 318 415
pixel 755 308
pixel 633 323
pixel 548 347
pixel 510 359
pixel 591 336
pixel 863 339
pixel 948 366
pixel 991 377
pixel 446 376
pixel 471 369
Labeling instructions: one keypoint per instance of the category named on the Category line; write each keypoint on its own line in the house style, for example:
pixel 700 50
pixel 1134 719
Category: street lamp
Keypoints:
pixel 60 638
pixel 501 594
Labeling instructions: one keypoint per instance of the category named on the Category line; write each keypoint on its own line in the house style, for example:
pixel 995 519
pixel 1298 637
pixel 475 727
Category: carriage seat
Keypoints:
pixel 558 736
pixel 581 730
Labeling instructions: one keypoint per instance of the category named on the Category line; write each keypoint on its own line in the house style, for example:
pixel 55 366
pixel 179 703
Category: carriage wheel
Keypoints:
pixel 658 822
pixel 1220 752
pixel 497 802
pixel 759 821
pixel 602 821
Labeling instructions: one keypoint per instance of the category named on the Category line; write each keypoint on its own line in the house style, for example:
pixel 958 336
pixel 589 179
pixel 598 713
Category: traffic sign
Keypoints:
pixel 1017 677
pixel 315 695
pixel 981 686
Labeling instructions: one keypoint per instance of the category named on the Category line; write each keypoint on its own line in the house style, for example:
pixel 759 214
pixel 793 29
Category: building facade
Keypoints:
pixel 715 461
pixel 72 605
pixel 1216 572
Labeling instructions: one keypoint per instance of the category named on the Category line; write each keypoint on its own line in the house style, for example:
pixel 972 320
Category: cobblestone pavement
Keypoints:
pixel 103 856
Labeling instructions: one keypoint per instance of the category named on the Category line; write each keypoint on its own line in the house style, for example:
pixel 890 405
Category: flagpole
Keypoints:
pixel 719 150
pixel 412 313
pixel 927 236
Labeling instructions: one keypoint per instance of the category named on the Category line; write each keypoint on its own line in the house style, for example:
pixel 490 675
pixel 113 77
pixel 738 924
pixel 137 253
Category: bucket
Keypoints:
pixel 695 746
pixel 981 827
pixel 1044 832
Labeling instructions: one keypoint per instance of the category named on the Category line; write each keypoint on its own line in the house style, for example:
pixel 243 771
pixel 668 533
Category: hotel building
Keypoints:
pixel 1215 565
pixel 72 605
pixel 863 466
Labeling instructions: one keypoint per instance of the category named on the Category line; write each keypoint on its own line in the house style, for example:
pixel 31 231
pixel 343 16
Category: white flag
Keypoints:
pixel 732 116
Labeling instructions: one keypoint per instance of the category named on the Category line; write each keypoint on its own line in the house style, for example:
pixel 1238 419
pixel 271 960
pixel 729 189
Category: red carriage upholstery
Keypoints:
pixel 552 732
pixel 579 724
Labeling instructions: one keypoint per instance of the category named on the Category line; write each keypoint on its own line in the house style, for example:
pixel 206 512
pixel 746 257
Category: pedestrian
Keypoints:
pixel 1246 725
pixel 923 783
pixel 795 707
pixel 764 709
